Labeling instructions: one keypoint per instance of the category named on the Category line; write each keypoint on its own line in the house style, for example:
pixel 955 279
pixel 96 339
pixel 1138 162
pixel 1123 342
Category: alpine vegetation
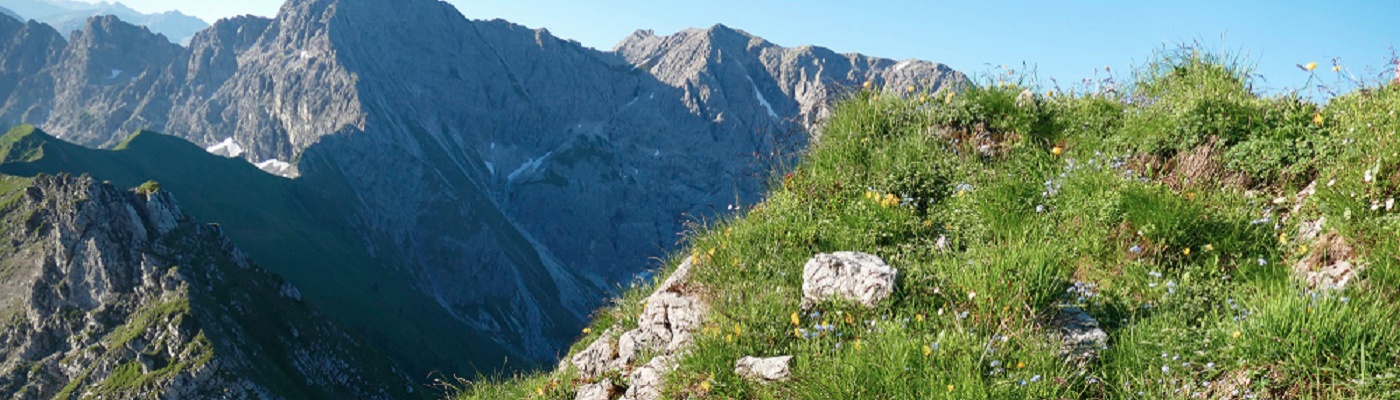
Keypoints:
pixel 1172 235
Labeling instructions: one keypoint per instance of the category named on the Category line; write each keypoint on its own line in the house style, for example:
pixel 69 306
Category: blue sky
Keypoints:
pixel 1066 40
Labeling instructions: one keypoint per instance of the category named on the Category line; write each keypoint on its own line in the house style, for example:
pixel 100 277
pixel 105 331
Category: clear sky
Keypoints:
pixel 1066 40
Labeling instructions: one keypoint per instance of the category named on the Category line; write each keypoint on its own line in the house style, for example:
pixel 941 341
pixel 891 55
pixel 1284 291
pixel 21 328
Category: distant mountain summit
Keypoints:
pixel 511 177
pixel 70 16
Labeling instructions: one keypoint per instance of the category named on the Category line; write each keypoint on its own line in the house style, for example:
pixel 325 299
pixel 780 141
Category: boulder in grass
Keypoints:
pixel 860 277
pixel 774 369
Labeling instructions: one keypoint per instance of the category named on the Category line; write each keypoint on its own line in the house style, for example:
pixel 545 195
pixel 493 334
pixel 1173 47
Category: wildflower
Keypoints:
pixel 1263 262
pixel 928 223
pixel 948 99
pixel 1308 67
pixel 950 388
pixel 587 330
pixel 1135 249
pixel 1317 119
pixel 1337 68
pixel 911 89
pixel 796 320
pixel 971 295
pixel 1303 249
pixel 1187 251
pixel 866 84
pixel 927 350
pixel 1035 378
pixel 857 344
pixel 539 391
pixel 919 317
pixel 1020 365
pixel 729 338
pixel 1235 335
pixel 1210 247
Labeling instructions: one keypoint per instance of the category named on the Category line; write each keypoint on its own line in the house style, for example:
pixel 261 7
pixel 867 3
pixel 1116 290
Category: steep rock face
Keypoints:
pixel 723 65
pixel 117 294
pixel 511 174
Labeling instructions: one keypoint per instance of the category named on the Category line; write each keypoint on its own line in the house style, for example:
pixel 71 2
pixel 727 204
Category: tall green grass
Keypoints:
pixel 1079 203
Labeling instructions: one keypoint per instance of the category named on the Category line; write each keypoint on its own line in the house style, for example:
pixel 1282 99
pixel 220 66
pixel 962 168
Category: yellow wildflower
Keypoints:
pixel 705 386
pixel 923 99
pixel 919 317
pixel 1020 365
pixel 928 223
pixel 711 252
pixel 950 388
pixel 737 330
pixel 927 350
pixel 949 97
pixel 1317 119
pixel 1235 335
pixel 1282 238
pixel 729 338
pixel 911 89
pixel 1309 66
pixel 857 344
pixel 1303 249
pixel 796 321
pixel 587 330
pixel 1210 247
pixel 539 391
pixel 1337 68
pixel 866 84
pixel 797 332
pixel 1057 150
pixel 1187 251
pixel 849 320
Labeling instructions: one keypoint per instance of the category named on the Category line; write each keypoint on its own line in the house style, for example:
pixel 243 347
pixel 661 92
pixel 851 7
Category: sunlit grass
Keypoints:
pixel 999 206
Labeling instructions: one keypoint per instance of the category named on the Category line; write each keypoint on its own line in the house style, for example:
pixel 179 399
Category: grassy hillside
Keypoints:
pixel 1169 209
pixel 298 229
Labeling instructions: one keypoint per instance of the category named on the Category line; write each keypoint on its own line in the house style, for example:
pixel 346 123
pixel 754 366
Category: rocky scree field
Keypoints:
pixel 1176 237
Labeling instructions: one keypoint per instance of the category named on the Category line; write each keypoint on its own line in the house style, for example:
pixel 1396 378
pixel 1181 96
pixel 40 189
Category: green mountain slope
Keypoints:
pixel 296 228
pixel 1229 245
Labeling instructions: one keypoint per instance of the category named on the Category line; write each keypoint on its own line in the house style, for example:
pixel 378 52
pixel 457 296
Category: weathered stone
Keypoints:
pixel 1328 264
pixel 595 359
pixel 648 380
pixel 1081 337
pixel 603 390
pixel 860 277
pixel 773 369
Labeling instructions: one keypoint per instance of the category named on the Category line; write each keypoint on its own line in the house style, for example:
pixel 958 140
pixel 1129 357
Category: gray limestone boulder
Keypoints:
pixel 860 277
pixel 1081 337
pixel 773 369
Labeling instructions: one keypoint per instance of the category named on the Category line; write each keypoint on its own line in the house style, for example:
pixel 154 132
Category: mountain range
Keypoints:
pixel 458 193
pixel 69 16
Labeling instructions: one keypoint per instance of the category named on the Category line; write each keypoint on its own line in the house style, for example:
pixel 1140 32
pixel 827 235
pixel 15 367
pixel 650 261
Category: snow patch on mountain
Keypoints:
pixel 226 148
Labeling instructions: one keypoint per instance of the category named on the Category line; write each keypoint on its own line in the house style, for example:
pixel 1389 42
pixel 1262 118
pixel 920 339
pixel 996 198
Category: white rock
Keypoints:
pixel 861 277
pixel 596 391
pixel 773 369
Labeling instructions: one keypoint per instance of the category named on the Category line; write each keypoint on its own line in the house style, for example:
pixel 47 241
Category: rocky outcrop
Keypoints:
pixel 859 277
pixel 772 369
pixel 118 294
pixel 473 151
pixel 671 316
